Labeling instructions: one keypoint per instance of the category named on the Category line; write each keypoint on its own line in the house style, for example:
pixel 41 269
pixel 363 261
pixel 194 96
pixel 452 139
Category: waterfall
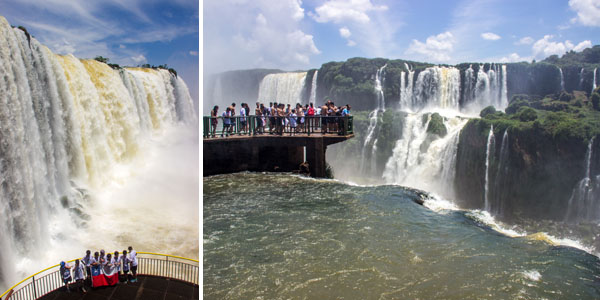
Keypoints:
pixel 584 203
pixel 313 88
pixel 581 79
pixel 562 80
pixel 490 146
pixel 500 175
pixel 437 87
pixel 470 80
pixel 379 79
pixel 482 89
pixel 65 124
pixel 594 81
pixel 504 93
pixel 406 88
pixel 283 88
pixel 422 160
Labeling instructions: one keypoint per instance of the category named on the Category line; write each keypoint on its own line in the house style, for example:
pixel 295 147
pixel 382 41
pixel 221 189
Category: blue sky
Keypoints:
pixel 128 32
pixel 299 35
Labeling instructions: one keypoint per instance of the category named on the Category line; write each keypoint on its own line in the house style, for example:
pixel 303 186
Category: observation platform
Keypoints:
pixel 146 288
pixel 160 276
pixel 271 148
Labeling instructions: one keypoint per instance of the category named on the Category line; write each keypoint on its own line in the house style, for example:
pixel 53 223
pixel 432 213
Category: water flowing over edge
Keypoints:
pixel 67 125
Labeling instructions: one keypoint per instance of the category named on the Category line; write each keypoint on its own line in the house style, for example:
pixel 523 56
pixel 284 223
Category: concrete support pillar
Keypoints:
pixel 315 155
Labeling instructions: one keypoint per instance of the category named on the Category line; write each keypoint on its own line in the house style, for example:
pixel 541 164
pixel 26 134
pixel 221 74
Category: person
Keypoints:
pixel 243 121
pixel 78 275
pixel 96 259
pixel 272 114
pixel 232 118
pixel 310 113
pixel 324 119
pixel 65 272
pixel 293 120
pixel 280 118
pixel 87 261
pixel 247 114
pixel 300 120
pixel 102 258
pixel 263 118
pixel 258 113
pixel 214 120
pixel 134 263
pixel 125 265
pixel 116 261
pixel 226 122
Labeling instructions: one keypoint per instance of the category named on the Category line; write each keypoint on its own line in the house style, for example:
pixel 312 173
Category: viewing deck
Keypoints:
pixel 251 146
pixel 160 276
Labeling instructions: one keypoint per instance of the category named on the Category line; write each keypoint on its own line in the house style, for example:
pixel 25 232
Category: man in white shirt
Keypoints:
pixel 134 263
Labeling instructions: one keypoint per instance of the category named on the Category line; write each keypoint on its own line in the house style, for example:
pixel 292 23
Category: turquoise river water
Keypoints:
pixel 270 236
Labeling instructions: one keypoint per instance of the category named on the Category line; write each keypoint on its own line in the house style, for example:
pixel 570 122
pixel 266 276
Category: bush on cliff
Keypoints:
pixel 436 125
pixel 486 111
pixel 527 114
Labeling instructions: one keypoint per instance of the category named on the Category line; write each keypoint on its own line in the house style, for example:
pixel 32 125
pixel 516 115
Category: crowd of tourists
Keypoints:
pixel 279 118
pixel 82 269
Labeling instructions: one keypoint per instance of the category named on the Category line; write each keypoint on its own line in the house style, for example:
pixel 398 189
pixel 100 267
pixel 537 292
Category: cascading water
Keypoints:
pixel 369 142
pixel 423 160
pixel 437 87
pixel 313 89
pixel 283 88
pixel 489 149
pixel 594 81
pixel 581 79
pixel 66 124
pixel 584 203
pixel 562 80
pixel 501 173
pixel 504 92
pixel 406 87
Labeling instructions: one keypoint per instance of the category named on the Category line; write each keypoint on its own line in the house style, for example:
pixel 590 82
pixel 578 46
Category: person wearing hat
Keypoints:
pixel 65 272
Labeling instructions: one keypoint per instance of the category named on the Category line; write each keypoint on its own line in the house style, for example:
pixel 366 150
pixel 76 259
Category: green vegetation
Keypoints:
pixel 436 125
pixel 564 116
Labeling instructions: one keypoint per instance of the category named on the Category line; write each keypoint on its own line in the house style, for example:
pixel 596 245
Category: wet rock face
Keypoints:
pixel 534 179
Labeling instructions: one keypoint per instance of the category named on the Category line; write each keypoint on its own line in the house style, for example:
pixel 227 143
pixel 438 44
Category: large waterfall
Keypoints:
pixel 283 88
pixel 66 126
pixel 371 140
pixel 488 151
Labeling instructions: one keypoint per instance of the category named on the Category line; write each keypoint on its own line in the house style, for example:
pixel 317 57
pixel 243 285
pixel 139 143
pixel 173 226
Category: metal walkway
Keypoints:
pixel 146 288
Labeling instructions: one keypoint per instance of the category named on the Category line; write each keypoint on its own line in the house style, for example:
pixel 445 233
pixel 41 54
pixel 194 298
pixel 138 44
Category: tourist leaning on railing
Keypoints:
pixel 214 120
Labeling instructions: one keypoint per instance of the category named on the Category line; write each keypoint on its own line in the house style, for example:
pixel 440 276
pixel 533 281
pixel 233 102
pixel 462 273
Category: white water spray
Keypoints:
pixel 562 80
pixel 584 203
pixel 283 88
pixel 379 79
pixel 490 146
pixel 313 88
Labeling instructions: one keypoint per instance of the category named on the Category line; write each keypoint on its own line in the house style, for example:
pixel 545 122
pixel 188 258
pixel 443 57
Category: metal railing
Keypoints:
pixel 255 125
pixel 154 264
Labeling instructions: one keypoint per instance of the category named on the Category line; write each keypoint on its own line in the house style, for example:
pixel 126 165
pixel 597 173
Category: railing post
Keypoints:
pixel 33 283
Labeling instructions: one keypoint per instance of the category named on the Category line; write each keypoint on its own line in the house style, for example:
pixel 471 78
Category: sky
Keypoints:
pixel 300 35
pixel 128 32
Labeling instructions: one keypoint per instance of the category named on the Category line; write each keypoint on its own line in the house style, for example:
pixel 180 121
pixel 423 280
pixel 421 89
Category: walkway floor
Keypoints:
pixel 147 288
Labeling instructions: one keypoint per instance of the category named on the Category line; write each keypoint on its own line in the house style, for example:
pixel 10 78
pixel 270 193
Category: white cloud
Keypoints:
pixel 545 47
pixel 121 46
pixel 193 53
pixel 588 12
pixel 139 59
pixel 490 36
pixel 339 11
pixel 436 48
pixel 583 45
pixel 514 57
pixel 525 41
pixel 255 34
pixel 345 32
pixel 351 43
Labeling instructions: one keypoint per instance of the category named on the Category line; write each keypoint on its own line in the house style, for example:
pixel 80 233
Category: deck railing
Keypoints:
pixel 155 264
pixel 255 125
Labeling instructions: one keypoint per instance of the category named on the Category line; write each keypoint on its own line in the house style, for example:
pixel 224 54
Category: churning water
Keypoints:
pixel 270 236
